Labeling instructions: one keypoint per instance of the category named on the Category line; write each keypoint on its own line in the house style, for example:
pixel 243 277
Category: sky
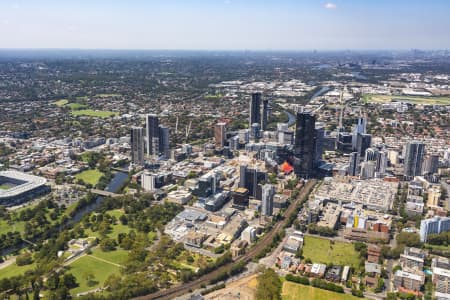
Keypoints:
pixel 226 24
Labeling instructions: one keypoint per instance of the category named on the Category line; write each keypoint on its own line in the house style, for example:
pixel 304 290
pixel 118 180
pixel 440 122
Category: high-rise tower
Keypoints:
pixel 264 114
pixel 413 159
pixel 219 135
pixel 305 144
pixel 152 123
pixel 255 109
pixel 164 141
pixel 137 145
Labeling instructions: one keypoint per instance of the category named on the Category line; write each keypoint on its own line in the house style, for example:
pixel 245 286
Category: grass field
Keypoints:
pixel 90 176
pixel 369 98
pixel 14 270
pixel 210 96
pixel 61 102
pixel 118 256
pixel 94 113
pixel 5 186
pixel 439 247
pixel 76 106
pixel 118 227
pixel 82 97
pixel 321 251
pixel 100 269
pixel 293 291
pixel 17 226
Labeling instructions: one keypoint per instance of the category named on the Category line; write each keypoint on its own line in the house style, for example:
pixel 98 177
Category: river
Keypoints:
pixel 114 186
pixel 318 93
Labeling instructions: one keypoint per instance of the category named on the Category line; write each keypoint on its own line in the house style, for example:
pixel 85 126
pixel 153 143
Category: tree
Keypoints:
pixel 53 281
pixel 380 285
pixel 24 259
pixel 269 286
pixel 108 245
pixel 391 296
pixel 69 281
pixel 89 277
pixel 409 239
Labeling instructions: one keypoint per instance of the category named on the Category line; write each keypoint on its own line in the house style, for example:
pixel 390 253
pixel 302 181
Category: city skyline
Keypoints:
pixel 226 25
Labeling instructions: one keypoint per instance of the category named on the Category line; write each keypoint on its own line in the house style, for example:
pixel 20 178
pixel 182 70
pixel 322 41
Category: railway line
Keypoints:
pixel 261 245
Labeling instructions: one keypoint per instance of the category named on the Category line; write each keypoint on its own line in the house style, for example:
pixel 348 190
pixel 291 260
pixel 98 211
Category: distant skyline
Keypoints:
pixel 226 24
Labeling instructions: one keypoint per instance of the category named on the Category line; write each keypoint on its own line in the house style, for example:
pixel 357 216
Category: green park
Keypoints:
pixel 293 291
pixel 321 250
pixel 90 176
pixel 371 98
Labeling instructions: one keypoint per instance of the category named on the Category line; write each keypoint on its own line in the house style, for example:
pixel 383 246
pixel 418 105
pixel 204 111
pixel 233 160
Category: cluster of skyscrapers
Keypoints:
pixel 156 141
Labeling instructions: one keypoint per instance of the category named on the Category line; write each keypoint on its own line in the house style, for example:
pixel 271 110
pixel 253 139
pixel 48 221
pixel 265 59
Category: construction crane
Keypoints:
pixel 188 130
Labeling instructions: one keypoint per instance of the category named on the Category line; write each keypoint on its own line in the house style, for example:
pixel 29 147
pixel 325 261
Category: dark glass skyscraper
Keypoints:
pixel 305 144
pixel 164 141
pixel 152 123
pixel 137 145
pixel 265 114
pixel 353 164
pixel 363 142
pixel 250 178
pixel 413 159
pixel 255 109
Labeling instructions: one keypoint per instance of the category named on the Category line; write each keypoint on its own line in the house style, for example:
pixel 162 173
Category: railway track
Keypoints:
pixel 261 245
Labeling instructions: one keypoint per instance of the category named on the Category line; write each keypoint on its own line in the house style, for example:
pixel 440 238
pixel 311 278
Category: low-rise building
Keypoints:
pixel 412 258
pixel 294 242
pixel 373 253
pixel 238 248
pixel 318 270
pixel 441 280
pixel 409 281
pixel 249 234
pixel 195 239
pixel 179 196
pixel 334 274
pixel 345 273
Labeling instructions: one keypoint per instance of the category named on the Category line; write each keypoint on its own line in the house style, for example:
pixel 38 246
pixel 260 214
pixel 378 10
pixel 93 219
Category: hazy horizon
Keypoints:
pixel 226 25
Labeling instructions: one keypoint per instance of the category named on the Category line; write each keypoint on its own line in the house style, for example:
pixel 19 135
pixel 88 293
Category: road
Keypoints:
pixel 181 289
pixel 7 262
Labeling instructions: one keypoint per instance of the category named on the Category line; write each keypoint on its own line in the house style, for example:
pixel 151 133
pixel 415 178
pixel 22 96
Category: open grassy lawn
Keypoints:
pixel 61 102
pixel 294 291
pixel 439 247
pixel 94 113
pixel 118 256
pixel 321 251
pixel 15 270
pixel 90 176
pixel 100 269
pixel 118 227
pixel 210 96
pixel 199 261
pixel 76 106
pixel 16 226
pixel 369 98
pixel 82 98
